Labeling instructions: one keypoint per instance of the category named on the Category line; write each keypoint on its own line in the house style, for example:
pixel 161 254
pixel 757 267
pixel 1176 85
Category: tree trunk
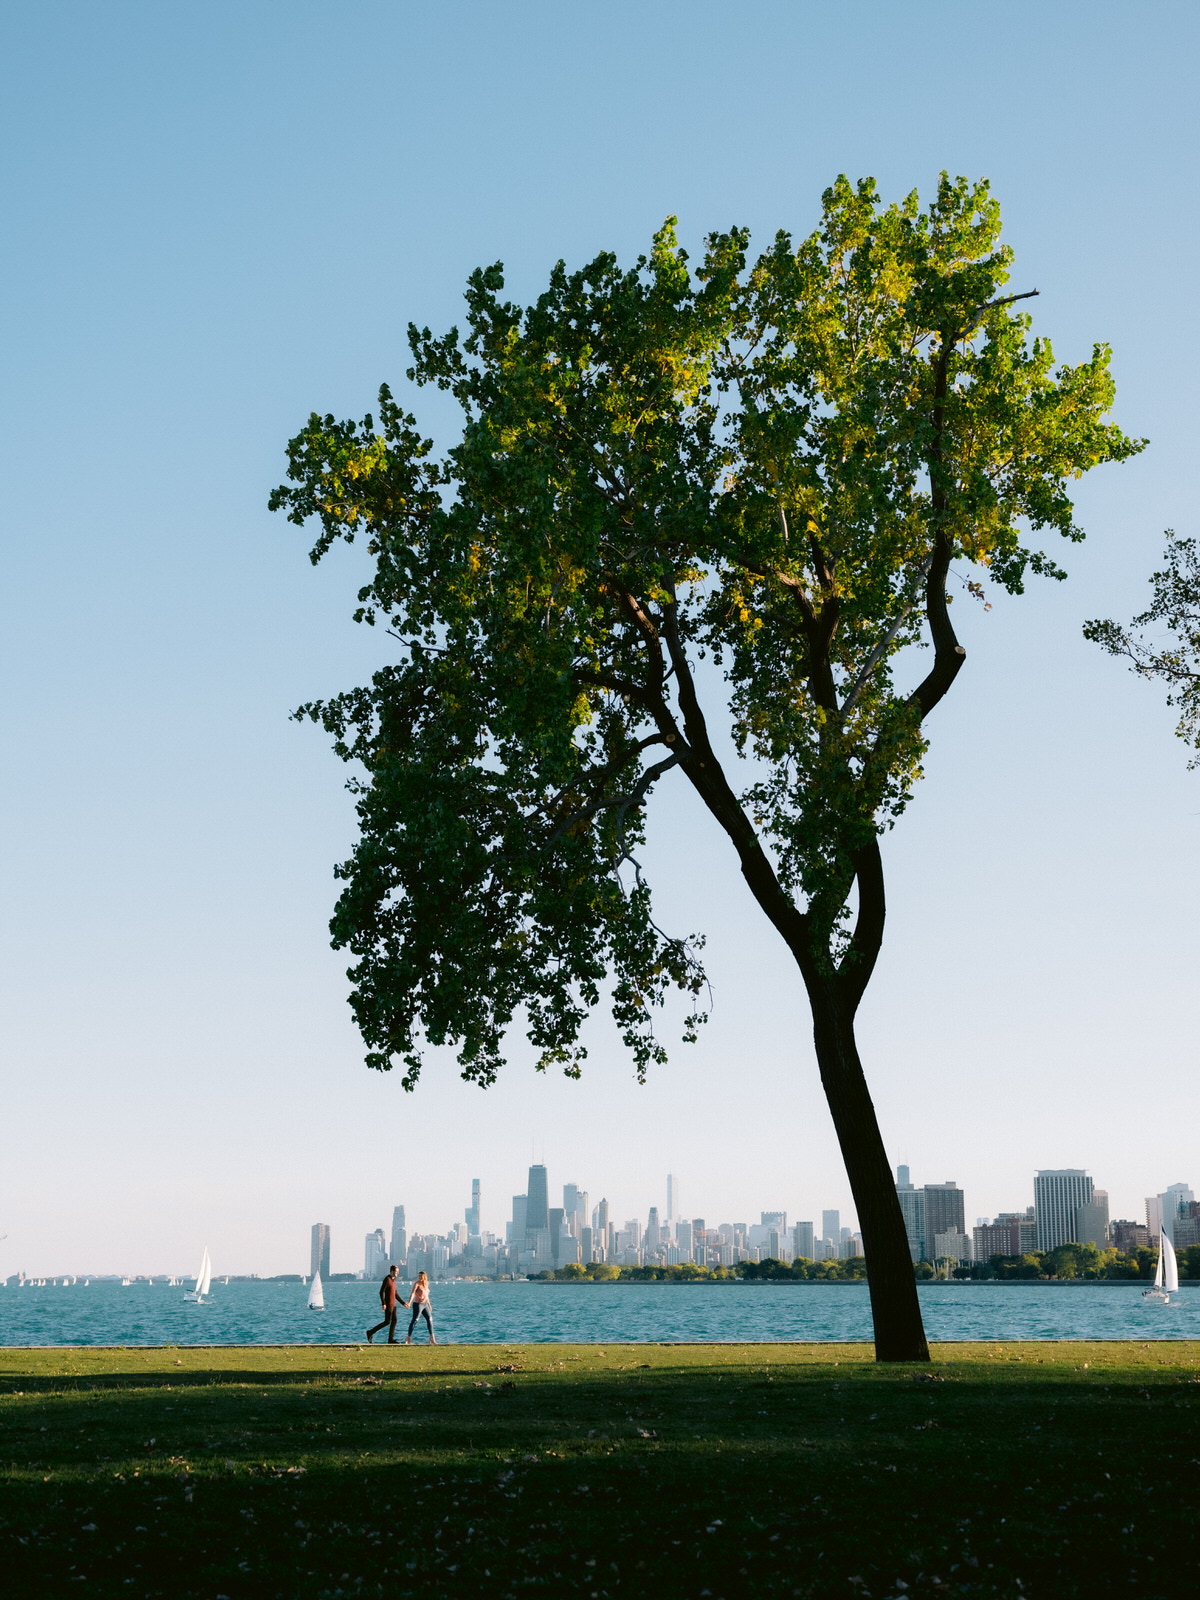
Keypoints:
pixel 895 1311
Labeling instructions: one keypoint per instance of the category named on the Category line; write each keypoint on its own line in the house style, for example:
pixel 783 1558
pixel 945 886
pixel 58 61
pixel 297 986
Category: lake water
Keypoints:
pixel 257 1312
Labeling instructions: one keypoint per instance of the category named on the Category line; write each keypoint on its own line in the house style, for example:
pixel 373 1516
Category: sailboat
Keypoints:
pixel 316 1295
pixel 203 1279
pixel 1166 1276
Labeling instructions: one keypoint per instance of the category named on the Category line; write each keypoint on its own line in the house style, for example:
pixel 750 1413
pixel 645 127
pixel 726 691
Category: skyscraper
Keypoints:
pixel 472 1212
pixel 516 1228
pixel 537 1205
pixel 912 1209
pixel 375 1259
pixel 672 1197
pixel 802 1240
pixel 945 1212
pixel 399 1237
pixel 319 1258
pixel 1057 1195
pixel 831 1225
pixel 557 1225
pixel 574 1207
pixel 1173 1197
pixel 1091 1221
pixel 653 1231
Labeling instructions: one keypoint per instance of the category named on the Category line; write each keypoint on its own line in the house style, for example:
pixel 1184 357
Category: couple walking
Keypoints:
pixel 389 1291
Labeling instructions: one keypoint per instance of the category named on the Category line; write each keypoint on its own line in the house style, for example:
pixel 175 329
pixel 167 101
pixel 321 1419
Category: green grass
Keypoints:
pixel 648 1470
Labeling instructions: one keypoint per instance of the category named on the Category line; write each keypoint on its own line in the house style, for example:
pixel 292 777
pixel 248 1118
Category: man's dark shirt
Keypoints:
pixel 387 1294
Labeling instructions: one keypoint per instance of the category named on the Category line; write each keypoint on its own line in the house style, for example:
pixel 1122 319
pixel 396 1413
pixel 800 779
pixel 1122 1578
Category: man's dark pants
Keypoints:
pixel 389 1322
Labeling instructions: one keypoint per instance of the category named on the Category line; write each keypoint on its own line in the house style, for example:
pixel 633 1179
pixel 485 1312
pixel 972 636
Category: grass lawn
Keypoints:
pixel 624 1470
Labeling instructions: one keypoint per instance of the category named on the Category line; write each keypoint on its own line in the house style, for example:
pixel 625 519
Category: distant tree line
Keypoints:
pixel 1084 1261
pixel 847 1271
pixel 1079 1261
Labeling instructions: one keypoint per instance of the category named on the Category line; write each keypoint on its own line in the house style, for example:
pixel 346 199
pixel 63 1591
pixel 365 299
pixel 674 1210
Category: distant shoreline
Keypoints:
pixel 835 1283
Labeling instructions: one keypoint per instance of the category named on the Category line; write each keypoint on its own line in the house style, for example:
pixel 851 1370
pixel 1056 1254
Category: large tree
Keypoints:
pixel 682 500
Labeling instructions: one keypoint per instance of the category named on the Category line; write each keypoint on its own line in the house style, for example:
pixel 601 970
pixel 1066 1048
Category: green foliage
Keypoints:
pixel 850 1270
pixel 1075 1261
pixel 1176 605
pixel 767 467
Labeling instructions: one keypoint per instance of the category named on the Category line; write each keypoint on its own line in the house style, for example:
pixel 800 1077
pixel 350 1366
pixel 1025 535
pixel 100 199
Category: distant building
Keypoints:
pixel 1187 1225
pixel 990 1239
pixel 557 1228
pixel 399 1237
pixel 945 1212
pixel 375 1256
pixel 472 1212
pixel 1154 1218
pixel 516 1228
pixel 953 1245
pixel 774 1219
pixel 319 1258
pixel 912 1209
pixel 683 1238
pixel 1175 1198
pixel 575 1207
pixel 1130 1236
pixel 802 1240
pixel 586 1250
pixel 653 1231
pixel 537 1205
pixel 672 1197
pixel 1058 1194
pixel 1012 1233
pixel 1091 1221
pixel 831 1227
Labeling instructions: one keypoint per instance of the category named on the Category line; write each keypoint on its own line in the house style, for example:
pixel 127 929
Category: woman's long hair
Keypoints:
pixel 423 1277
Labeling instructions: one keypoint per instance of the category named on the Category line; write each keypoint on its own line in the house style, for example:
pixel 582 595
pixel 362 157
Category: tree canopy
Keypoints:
pixel 768 465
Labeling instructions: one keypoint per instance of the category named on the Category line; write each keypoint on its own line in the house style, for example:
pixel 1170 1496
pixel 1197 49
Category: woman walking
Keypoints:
pixel 421 1307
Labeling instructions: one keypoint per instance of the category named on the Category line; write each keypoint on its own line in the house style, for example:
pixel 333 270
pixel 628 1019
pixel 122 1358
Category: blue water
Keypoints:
pixel 501 1313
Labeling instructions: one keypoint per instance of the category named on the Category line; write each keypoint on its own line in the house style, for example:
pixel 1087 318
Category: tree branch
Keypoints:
pixel 948 654
pixel 707 776
pixel 595 787
pixel 877 655
pixel 858 963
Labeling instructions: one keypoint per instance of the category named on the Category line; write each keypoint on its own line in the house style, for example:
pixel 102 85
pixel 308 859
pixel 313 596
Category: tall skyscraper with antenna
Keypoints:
pixel 537 1205
pixel 399 1251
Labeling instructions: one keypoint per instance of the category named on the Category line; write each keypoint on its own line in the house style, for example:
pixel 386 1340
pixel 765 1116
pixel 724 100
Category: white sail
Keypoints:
pixel 205 1277
pixel 1168 1275
pixel 316 1295
pixel 1158 1271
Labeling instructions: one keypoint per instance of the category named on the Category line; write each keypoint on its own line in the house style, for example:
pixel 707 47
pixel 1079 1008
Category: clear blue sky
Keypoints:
pixel 219 218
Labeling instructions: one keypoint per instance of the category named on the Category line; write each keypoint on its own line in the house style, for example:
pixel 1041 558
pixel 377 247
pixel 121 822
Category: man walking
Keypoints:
pixel 387 1299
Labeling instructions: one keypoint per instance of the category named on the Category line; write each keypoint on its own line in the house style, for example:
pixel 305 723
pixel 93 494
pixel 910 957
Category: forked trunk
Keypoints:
pixel 895 1311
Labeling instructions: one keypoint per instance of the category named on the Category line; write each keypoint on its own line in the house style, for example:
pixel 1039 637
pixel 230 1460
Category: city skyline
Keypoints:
pixel 1078 1211
pixel 1068 1208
